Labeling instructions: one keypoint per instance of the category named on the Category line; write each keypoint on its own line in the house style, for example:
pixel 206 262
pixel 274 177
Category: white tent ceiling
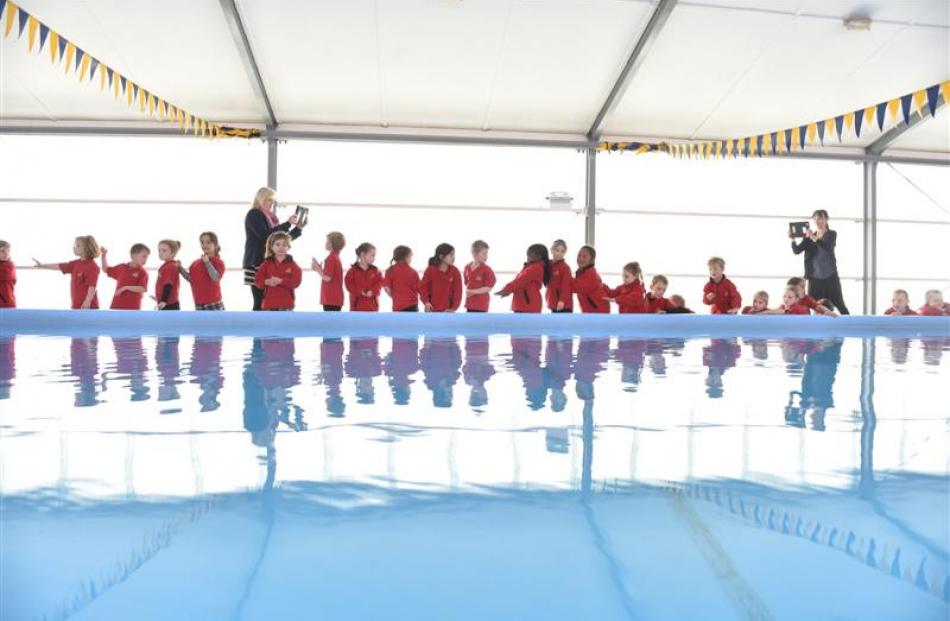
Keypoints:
pixel 718 68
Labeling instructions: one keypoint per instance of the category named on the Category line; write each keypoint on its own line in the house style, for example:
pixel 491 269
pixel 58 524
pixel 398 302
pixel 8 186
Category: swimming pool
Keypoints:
pixel 467 474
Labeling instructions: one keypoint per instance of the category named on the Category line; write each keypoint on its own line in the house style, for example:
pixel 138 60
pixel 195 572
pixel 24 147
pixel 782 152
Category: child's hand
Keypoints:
pixel 103 250
pixel 560 305
pixel 315 266
pixel 120 290
pixel 732 311
pixel 160 305
pixel 710 296
pixel 273 281
pixel 178 263
pixel 37 262
pixel 293 219
pixel 503 294
pixel 368 294
pixel 428 307
pixel 153 298
pixel 85 304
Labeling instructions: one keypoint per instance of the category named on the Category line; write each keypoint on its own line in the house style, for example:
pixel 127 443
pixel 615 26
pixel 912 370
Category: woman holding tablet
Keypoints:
pixel 821 266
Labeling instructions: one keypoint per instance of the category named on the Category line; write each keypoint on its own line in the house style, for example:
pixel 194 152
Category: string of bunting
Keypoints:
pixel 886 113
pixel 15 21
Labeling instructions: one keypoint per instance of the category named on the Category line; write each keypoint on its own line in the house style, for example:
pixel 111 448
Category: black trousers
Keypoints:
pixel 473 310
pixel 563 310
pixel 409 309
pixel 175 306
pixel 258 295
pixel 332 308
pixel 830 288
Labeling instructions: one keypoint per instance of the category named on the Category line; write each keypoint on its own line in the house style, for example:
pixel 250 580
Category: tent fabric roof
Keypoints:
pixel 718 68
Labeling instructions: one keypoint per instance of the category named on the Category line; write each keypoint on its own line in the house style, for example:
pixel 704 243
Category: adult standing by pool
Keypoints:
pixel 821 266
pixel 259 223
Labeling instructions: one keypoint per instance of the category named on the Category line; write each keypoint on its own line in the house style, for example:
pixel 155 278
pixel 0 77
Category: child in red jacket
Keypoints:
pixel 131 279
pixel 805 299
pixel 719 293
pixel 629 296
pixel 402 282
pixel 363 281
pixel 331 273
pixel 278 275
pixel 935 306
pixel 678 306
pixel 83 272
pixel 792 304
pixel 654 300
pixel 525 289
pixel 560 289
pixel 205 274
pixel 900 304
pixel 441 286
pixel 760 304
pixel 588 287
pixel 168 282
pixel 479 279
pixel 7 277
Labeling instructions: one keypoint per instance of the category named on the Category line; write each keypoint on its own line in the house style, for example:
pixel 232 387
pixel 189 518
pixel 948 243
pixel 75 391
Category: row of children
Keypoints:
pixel 442 287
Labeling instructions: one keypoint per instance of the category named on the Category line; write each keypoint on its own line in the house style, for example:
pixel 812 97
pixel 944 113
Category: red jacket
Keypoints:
pixel 331 291
pixel 84 274
pixel 655 304
pixel 443 290
pixel 727 296
pixel 127 276
pixel 561 286
pixel 7 284
pixel 167 276
pixel 481 276
pixel 278 297
pixel 929 311
pixel 359 282
pixel 808 302
pixel 590 291
pixel 525 289
pixel 629 298
pixel 893 311
pixel 403 284
pixel 203 289
pixel 797 309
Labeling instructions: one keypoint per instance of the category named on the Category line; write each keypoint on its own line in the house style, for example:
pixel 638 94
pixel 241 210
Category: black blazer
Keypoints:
pixel 810 249
pixel 256 231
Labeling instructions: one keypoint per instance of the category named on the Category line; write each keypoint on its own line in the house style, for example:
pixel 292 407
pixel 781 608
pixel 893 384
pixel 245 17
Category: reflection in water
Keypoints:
pixel 131 362
pixel 402 362
pixel 206 372
pixel 441 361
pixel 7 365
pixel 821 360
pixel 363 364
pixel 331 375
pixel 719 355
pixel 476 371
pixel 84 366
pixel 168 365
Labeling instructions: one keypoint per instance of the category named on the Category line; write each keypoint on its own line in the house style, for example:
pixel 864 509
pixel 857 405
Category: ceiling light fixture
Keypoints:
pixel 862 24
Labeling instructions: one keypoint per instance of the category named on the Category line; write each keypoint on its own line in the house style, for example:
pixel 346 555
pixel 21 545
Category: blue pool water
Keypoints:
pixel 480 477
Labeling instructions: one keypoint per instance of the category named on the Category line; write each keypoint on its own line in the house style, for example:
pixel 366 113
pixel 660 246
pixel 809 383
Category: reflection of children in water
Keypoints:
pixel 441 360
pixel 477 371
pixel 331 375
pixel 818 378
pixel 7 365
pixel 131 361
pixel 719 355
pixel 167 363
pixel 760 348
pixel 592 357
pixel 401 363
pixel 84 366
pixel 558 366
pixel 631 353
pixel 205 370
pixel 933 349
pixel 899 349
pixel 363 364
pixel 526 361
pixel 269 373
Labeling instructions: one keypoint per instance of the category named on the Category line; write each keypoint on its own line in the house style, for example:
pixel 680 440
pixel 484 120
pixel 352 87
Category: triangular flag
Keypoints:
pixel 11 15
pixel 788 141
pixel 32 27
pixel 110 74
pixel 920 98
pixel 181 118
pixel 61 43
pixel 102 78
pixel 812 131
pixel 93 65
pixel 115 86
pixel 151 105
pixel 718 150
pixel 44 34
pixel 70 52
pixel 892 107
pixel 3 3
pixel 881 109
pixel 80 54
pixel 858 121
pixel 54 43
pixel 772 143
pixel 905 107
pixel 933 93
pixel 869 114
pixel 142 99
pixel 24 17
pixel 135 91
pixel 758 145
pixel 828 125
pixel 161 109
pixel 84 67
pixel 800 136
pixel 122 82
pixel 945 91
pixel 130 93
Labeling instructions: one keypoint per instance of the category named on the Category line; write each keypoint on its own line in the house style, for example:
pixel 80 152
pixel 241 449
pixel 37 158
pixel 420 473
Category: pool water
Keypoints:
pixel 474 478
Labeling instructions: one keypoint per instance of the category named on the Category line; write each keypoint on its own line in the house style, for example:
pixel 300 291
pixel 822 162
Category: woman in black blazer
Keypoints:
pixel 821 266
pixel 259 223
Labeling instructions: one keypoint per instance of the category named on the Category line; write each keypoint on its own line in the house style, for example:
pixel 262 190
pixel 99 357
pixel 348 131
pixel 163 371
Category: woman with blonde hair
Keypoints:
pixel 259 223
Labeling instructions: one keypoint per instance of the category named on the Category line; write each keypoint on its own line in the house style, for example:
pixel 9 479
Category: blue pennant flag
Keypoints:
pixel 109 75
pixel 79 55
pixel 122 83
pixel 788 140
pixel 3 3
pixel 24 17
pixel 92 67
pixel 881 114
pixel 758 144
pixel 821 132
pixel 933 93
pixel 905 107
pixel 858 121
pixel 62 46
pixel 135 92
pixel 44 32
pixel 774 143
pixel 801 136
pixel 839 125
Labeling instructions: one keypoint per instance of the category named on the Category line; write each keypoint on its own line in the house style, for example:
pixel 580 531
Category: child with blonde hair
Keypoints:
pixel 167 283
pixel 83 272
pixel 131 279
pixel 279 276
pixel 7 277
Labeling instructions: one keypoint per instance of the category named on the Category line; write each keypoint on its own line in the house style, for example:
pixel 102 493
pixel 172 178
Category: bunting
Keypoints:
pixel 74 58
pixel 879 117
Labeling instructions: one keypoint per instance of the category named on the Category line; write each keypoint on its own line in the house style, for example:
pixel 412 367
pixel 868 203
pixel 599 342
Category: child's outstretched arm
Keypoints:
pixel 45 266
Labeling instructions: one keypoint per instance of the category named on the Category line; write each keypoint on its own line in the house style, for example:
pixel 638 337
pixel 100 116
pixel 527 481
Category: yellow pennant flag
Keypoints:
pixel 11 15
pixel 767 143
pixel 829 127
pixel 892 107
pixel 128 93
pixel 102 77
pixel 151 105
pixel 31 26
pixel 920 98
pixel 70 53
pixel 812 132
pixel 945 91
pixel 849 120
pixel 181 118
pixel 53 46
pixel 161 109
pixel 83 67
pixel 796 137
pixel 141 99
pixel 869 115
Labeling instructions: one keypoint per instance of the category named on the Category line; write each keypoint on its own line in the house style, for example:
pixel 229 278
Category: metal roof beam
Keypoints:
pixel 239 33
pixel 888 138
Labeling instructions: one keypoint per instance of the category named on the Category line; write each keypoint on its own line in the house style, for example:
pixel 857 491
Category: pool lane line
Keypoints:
pixel 743 595
pixel 615 568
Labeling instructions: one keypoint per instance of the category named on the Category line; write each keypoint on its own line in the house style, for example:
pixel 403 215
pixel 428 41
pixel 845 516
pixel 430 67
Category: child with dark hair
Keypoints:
pixel 526 287
pixel 205 273
pixel 279 275
pixel 629 296
pixel 363 280
pixel 588 286
pixel 560 289
pixel 401 281
pixel 441 286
